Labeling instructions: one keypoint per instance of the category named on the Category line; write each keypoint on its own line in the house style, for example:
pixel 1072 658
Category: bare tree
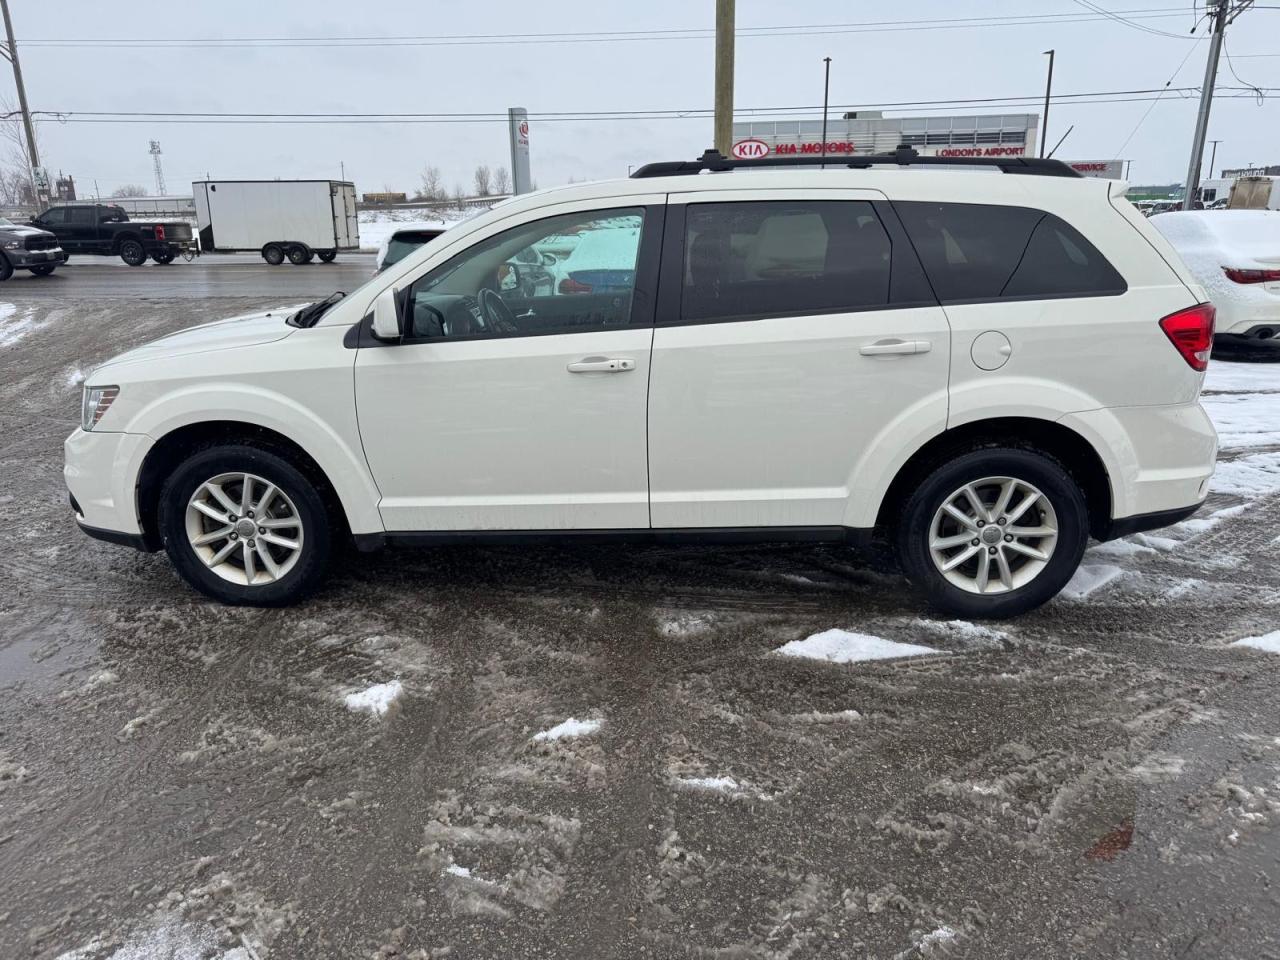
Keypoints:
pixel 16 186
pixel 432 185
pixel 501 180
pixel 484 180
pixel 458 195
pixel 129 190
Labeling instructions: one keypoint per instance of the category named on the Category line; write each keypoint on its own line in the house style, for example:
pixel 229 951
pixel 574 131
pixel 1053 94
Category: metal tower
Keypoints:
pixel 155 152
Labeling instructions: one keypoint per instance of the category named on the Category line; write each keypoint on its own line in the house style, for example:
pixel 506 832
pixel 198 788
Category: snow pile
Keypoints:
pixel 707 783
pixel 15 326
pixel 1253 476
pixel 1268 642
pixel 1244 419
pixel 377 700
pixel 170 939
pixel 1090 578
pixel 963 631
pixel 844 646
pixel 570 728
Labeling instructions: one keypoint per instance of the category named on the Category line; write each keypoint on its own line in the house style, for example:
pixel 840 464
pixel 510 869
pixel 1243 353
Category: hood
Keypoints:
pixel 249 330
pixel 24 230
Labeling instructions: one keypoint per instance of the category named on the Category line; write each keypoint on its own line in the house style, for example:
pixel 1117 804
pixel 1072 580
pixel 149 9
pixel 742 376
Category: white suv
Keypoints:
pixel 984 366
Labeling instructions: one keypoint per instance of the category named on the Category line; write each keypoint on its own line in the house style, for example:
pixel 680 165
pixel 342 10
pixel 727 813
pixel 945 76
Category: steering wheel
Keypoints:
pixel 496 312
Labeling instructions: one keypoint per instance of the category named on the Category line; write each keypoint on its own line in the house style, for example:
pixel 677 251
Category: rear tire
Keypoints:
pixel 298 255
pixel 285 542
pixel 327 256
pixel 133 253
pixel 44 269
pixel 929 537
pixel 273 253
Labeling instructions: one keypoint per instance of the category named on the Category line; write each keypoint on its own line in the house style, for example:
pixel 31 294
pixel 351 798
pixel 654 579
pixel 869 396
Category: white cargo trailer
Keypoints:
pixel 281 219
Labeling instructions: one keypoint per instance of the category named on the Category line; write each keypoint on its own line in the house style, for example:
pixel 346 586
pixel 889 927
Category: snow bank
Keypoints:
pixel 1268 642
pixel 843 646
pixel 707 783
pixel 570 728
pixel 376 700
pixel 1090 578
pixel 1252 476
pixel 14 326
pixel 1244 419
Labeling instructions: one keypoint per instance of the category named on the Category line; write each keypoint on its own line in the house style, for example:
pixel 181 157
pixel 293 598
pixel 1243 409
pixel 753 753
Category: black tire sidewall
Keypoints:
pixel 44 270
pixel 270 252
pixel 1046 473
pixel 130 245
pixel 297 256
pixel 317 540
pixel 6 268
pixel 328 256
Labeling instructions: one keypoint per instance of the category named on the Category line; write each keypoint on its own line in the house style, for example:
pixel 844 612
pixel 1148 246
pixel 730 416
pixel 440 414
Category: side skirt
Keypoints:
pixel 854 536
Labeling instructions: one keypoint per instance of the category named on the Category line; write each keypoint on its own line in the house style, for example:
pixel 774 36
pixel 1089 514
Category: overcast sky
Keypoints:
pixel 601 75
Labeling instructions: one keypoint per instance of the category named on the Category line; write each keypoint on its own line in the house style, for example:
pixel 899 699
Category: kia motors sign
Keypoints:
pixel 750 149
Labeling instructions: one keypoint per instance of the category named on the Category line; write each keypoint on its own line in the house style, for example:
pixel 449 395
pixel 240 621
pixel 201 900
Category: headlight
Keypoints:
pixel 13 245
pixel 95 403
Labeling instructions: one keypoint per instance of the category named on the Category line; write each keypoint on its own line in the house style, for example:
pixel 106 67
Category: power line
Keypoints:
pixel 1116 17
pixel 1143 119
pixel 776 30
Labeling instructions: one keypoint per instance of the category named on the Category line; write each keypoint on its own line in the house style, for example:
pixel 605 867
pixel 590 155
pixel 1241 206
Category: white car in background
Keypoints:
pixel 1235 255
pixel 404 239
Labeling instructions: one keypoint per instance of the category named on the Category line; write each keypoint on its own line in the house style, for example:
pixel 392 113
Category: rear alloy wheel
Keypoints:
pixel 273 253
pixel 994 533
pixel 327 256
pixel 44 269
pixel 298 255
pixel 244 526
pixel 133 253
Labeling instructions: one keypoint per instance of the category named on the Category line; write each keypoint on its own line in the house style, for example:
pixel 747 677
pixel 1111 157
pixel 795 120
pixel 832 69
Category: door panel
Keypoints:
pixel 500 435
pixel 766 421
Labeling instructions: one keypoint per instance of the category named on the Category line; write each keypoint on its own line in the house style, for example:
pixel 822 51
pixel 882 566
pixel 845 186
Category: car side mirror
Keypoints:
pixel 508 277
pixel 386 316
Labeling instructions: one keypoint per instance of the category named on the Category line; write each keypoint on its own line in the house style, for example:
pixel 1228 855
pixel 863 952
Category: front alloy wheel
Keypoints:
pixel 993 535
pixel 245 525
pixel 244 528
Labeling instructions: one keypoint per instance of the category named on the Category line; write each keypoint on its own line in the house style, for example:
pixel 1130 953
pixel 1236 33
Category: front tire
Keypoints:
pixel 44 269
pixel 993 533
pixel 6 268
pixel 133 253
pixel 327 256
pixel 244 526
pixel 163 257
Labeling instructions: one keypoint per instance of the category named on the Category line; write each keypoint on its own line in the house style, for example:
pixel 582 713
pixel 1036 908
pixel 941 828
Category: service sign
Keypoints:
pixel 1104 169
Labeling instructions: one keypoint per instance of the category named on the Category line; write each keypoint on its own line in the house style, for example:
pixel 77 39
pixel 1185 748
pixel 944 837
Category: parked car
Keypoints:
pixel 28 248
pixel 983 367
pixel 405 239
pixel 1235 255
pixel 106 230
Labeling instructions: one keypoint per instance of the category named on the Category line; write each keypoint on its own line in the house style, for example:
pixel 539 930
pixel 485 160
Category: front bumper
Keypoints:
pixel 35 258
pixel 101 472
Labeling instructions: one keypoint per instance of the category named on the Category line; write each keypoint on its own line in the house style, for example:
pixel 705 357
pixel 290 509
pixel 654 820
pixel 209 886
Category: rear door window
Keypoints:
pixel 981 252
pixel 754 259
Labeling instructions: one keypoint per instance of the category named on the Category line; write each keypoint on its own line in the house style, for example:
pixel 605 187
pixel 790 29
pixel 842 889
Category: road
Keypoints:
pixel 214 275
pixel 179 779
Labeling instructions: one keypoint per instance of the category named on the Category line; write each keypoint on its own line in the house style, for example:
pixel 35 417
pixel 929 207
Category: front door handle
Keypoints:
pixel 886 347
pixel 602 365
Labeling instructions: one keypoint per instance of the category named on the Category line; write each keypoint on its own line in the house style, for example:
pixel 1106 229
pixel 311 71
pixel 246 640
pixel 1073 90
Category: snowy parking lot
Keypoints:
pixel 618 752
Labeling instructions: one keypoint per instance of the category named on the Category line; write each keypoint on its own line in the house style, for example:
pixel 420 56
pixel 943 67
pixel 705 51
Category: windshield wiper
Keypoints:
pixel 312 312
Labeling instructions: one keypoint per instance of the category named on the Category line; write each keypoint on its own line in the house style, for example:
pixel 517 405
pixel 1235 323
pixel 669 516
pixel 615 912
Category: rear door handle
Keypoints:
pixel 885 347
pixel 602 365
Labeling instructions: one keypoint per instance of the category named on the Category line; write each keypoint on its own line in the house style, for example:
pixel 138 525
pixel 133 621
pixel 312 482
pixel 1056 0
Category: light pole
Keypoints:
pixel 826 93
pixel 1048 89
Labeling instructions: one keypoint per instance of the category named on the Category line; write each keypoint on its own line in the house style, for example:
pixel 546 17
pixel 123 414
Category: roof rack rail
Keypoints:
pixel 904 156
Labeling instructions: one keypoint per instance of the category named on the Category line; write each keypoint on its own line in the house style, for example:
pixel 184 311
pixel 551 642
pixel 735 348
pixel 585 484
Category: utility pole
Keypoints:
pixel 1048 88
pixel 33 154
pixel 826 96
pixel 724 76
pixel 1213 157
pixel 1223 13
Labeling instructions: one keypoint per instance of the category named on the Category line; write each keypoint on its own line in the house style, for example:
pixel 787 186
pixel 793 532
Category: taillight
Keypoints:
pixel 1191 331
pixel 570 285
pixel 1251 276
pixel 159 233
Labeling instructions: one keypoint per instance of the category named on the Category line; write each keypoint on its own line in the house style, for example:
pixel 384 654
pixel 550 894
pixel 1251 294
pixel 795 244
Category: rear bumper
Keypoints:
pixel 1125 526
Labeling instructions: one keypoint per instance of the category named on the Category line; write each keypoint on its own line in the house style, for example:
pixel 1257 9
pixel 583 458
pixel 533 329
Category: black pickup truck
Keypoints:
pixel 107 230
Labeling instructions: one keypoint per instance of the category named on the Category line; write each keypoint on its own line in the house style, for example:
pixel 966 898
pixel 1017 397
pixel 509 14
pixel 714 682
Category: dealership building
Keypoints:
pixel 869 131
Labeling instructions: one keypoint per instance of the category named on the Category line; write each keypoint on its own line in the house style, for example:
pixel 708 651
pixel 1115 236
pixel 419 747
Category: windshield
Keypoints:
pixel 312 312
pixel 401 245
pixel 6 222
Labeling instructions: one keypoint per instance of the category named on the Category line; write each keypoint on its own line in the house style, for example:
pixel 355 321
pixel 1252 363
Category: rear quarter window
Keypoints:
pixel 982 252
